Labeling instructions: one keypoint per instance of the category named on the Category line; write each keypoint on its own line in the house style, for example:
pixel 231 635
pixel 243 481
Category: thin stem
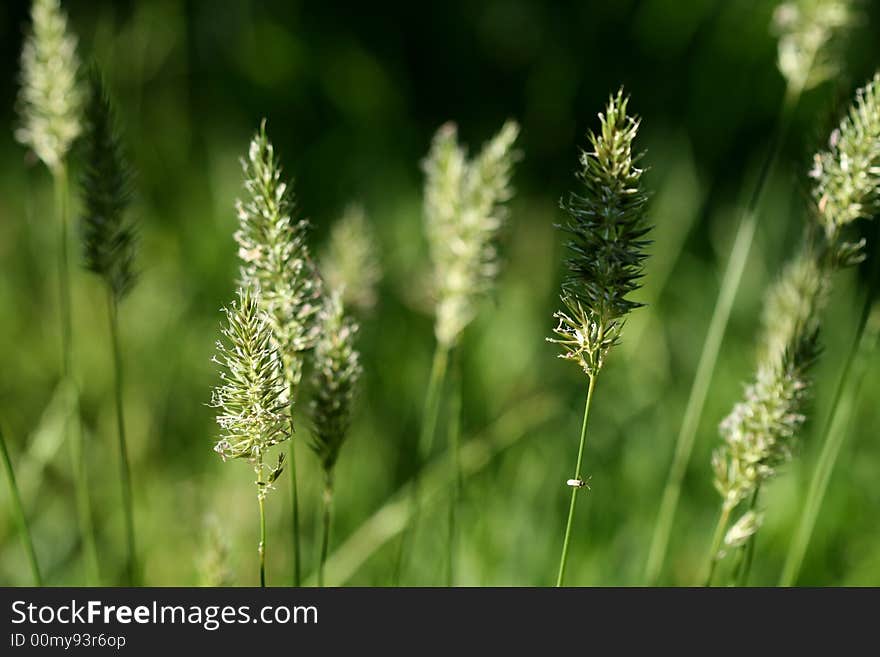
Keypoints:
pixel 74 432
pixel 124 468
pixel 60 183
pixel 737 566
pixel 18 511
pixel 325 532
pixel 748 550
pixel 846 397
pixel 717 537
pixel 455 473
pixel 261 549
pixel 432 401
pixel 574 489
pixel 426 441
pixel 730 283
pixel 294 502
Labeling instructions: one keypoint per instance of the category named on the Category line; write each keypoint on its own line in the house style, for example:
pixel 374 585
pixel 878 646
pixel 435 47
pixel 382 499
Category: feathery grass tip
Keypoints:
pixel 464 209
pixel 275 256
pixel 50 99
pixel 335 378
pixel 109 238
pixel 607 227
pixel 807 31
pixel 252 399
pixel 847 174
pixel 350 263
pixel 760 433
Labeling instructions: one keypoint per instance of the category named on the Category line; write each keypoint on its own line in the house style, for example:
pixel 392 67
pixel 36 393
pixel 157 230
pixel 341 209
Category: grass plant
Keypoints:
pixel 607 228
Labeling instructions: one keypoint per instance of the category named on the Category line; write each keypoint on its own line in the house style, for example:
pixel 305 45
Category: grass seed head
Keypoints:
pixel 607 227
pixel 252 399
pixel 275 256
pixel 337 369
pixel 464 210
pixel 760 433
pixel 109 237
pixel 847 174
pixel 808 31
pixel 50 99
pixel 793 305
pixel 351 262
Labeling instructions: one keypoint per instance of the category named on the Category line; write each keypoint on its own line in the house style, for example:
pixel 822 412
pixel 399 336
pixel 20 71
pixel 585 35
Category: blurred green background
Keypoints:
pixel 353 95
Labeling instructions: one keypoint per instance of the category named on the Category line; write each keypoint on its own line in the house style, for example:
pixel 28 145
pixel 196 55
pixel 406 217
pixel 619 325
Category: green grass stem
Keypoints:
pixel 18 511
pixel 574 490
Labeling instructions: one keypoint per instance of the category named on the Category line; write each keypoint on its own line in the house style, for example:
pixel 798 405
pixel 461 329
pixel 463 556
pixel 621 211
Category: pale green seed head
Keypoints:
pixel 847 174
pixel 50 99
pixel 761 431
pixel 743 529
pixel 760 434
pixel 793 304
pixel 807 31
pixel 464 208
pixel 252 399
pixel 276 260
pixel 350 263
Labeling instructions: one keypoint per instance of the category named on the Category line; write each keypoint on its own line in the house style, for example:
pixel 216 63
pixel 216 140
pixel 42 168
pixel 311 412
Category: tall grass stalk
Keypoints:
pixel 109 245
pixel 50 105
pixel 326 516
pixel 276 260
pixel 18 511
pixel 715 546
pixel 456 476
pixel 433 396
pixel 335 378
pixel 430 417
pixel 62 202
pixel 132 570
pixel 607 228
pixel 251 399
pixel 761 432
pixel 805 61
pixel 747 552
pixel 464 211
pixel 73 432
pixel 840 420
pixel 846 396
pixel 261 547
pixel 294 504
pixel 72 425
